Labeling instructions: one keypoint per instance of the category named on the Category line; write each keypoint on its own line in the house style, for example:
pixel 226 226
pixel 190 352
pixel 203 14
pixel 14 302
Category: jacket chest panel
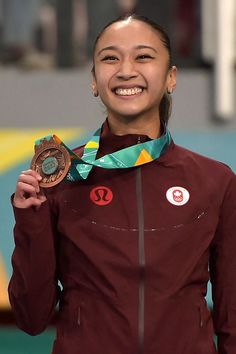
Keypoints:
pixel 177 200
pixel 107 199
pixel 108 209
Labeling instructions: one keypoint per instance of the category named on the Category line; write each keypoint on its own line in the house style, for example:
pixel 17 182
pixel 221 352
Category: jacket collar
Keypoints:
pixel 110 142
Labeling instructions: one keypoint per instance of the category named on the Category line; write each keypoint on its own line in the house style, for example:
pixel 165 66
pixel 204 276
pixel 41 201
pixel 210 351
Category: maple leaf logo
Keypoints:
pixel 178 195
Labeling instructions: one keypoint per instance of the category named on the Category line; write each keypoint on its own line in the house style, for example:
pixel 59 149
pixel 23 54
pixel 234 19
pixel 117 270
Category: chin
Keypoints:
pixel 129 113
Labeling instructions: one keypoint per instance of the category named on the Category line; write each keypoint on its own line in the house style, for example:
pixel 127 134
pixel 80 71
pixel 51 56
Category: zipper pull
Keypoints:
pixel 201 317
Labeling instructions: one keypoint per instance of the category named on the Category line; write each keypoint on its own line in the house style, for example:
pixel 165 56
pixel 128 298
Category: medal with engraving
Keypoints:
pixel 52 161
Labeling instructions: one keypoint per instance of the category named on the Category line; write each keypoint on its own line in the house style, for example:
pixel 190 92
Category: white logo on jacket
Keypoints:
pixel 177 196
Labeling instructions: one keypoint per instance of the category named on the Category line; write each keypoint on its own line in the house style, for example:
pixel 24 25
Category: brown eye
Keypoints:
pixel 145 57
pixel 109 58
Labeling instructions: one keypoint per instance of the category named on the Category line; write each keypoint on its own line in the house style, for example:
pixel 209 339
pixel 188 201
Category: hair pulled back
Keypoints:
pixel 166 101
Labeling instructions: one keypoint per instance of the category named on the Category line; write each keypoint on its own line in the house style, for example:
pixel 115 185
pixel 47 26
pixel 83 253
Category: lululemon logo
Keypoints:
pixel 177 196
pixel 101 195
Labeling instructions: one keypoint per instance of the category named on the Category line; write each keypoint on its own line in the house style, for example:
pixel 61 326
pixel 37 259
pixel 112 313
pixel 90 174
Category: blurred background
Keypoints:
pixel 45 86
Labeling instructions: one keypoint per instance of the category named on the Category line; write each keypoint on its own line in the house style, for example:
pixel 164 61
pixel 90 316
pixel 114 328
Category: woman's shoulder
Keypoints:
pixel 208 173
pixel 202 161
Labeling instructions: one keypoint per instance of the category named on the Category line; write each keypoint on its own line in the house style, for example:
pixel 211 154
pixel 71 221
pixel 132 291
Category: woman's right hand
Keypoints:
pixel 28 192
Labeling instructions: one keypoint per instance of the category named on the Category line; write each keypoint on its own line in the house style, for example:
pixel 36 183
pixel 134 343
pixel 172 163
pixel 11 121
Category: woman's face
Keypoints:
pixel 131 70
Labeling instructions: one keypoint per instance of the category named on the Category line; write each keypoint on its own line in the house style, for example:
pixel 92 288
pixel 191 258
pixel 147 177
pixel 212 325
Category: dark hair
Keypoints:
pixel 166 102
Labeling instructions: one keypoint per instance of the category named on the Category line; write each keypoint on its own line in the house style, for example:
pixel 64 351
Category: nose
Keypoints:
pixel 126 70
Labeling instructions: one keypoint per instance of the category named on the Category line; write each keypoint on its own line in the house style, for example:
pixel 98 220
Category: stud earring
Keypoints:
pixel 95 91
pixel 169 91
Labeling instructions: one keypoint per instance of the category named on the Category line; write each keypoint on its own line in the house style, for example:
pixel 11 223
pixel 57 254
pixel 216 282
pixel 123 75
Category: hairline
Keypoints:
pixel 134 17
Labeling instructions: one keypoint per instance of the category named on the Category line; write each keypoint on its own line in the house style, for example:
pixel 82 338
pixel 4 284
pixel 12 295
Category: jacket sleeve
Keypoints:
pixel 223 273
pixel 33 288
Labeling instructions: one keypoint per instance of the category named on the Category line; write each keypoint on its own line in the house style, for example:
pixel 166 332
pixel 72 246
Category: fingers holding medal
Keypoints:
pixel 52 161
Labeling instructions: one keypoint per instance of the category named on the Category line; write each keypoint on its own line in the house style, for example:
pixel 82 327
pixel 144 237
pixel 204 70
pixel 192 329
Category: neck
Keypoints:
pixel 142 126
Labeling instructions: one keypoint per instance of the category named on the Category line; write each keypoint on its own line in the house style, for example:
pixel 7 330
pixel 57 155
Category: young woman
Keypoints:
pixel 132 241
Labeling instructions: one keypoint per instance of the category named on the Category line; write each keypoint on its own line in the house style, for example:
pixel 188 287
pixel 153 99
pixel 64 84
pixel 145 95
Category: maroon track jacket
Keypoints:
pixel 133 250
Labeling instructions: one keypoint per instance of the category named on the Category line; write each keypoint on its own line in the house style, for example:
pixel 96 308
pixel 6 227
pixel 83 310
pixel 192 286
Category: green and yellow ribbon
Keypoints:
pixel 131 156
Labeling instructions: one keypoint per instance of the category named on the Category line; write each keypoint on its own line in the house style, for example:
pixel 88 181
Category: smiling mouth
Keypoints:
pixel 128 91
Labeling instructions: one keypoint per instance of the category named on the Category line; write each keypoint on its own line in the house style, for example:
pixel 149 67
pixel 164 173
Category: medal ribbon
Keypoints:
pixel 131 156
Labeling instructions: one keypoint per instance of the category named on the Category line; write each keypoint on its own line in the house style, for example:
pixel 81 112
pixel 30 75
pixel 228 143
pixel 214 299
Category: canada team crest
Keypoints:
pixel 177 196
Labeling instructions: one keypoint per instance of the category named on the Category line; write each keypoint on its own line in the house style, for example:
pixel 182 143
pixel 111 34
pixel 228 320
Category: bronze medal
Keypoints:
pixel 52 161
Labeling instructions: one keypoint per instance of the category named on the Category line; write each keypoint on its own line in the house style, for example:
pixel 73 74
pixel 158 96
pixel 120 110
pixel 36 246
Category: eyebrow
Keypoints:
pixel 141 46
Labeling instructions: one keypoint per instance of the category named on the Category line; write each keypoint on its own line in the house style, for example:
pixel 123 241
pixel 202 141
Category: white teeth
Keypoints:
pixel 128 92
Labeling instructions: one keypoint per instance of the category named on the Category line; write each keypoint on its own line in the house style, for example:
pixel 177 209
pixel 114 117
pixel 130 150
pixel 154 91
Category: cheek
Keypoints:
pixel 103 76
pixel 102 82
pixel 159 73
pixel 157 78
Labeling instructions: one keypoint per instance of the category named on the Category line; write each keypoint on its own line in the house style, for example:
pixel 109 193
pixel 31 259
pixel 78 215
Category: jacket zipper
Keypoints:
pixel 141 260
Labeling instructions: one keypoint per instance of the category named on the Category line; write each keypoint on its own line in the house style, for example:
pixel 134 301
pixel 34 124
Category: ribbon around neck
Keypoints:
pixel 132 156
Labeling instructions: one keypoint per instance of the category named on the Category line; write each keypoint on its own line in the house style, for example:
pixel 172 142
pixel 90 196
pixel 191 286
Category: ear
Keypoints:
pixel 171 79
pixel 94 86
pixel 94 83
